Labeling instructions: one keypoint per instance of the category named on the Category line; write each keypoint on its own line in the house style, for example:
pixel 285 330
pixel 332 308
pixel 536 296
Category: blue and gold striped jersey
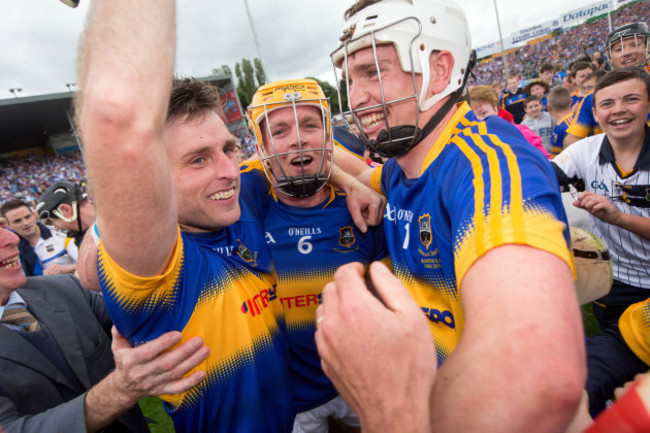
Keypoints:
pixel 576 99
pixel 481 186
pixel 559 133
pixel 308 245
pixel 584 124
pixel 635 329
pixel 220 286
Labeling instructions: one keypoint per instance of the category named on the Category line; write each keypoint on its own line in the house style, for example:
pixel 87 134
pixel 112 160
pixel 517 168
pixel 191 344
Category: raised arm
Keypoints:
pixel 522 347
pixel 125 73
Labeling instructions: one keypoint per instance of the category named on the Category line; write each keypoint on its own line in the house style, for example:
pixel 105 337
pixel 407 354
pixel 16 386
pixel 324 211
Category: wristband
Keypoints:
pixel 627 415
pixel 94 232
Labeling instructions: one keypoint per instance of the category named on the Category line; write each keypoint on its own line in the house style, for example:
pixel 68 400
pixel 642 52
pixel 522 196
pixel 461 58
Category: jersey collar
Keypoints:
pixel 606 154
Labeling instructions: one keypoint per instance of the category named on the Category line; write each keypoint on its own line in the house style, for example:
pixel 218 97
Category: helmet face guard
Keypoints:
pixel 641 35
pixel 292 94
pixel 62 192
pixel 391 141
pixel 416 31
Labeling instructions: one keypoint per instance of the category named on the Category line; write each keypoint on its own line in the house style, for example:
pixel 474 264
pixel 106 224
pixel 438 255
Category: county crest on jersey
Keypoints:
pixel 308 245
pixel 481 186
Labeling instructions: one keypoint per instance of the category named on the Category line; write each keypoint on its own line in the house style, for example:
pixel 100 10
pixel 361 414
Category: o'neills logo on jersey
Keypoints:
pixel 259 302
pixel 425 230
pixel 244 252
pixel 346 237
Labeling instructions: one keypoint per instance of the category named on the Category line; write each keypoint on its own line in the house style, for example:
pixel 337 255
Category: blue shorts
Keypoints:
pixel 608 309
pixel 610 363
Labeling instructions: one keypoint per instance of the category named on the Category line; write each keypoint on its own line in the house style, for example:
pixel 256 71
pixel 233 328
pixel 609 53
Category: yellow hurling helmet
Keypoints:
pixel 312 160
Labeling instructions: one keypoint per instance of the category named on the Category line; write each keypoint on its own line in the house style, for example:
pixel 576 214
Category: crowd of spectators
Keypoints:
pixel 247 144
pixel 562 49
pixel 26 177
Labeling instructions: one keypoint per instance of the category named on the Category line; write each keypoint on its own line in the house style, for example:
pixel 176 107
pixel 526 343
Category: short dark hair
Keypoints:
pixel 623 74
pixel 191 98
pixel 579 66
pixel 597 74
pixel 546 67
pixel 11 205
pixel 559 98
pixel 530 99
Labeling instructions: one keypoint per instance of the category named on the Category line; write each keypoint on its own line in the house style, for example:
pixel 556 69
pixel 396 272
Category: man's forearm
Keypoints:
pixel 105 403
pixel 342 179
pixel 126 70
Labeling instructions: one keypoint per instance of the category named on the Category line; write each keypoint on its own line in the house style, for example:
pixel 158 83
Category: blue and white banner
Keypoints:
pixel 575 16
pixel 535 31
pixel 488 50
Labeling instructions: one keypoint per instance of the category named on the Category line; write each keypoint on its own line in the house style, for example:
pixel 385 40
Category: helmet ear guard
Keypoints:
pixel 291 94
pixel 416 30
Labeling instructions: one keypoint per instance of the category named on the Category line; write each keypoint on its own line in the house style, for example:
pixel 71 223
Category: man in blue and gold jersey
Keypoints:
pixel 627 45
pixel 476 232
pixel 309 230
pixel 180 248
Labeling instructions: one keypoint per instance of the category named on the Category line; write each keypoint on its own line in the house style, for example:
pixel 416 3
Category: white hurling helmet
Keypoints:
pixel 416 28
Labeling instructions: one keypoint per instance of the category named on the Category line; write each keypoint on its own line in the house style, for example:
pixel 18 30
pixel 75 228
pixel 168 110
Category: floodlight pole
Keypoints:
pixel 15 90
pixel 609 16
pixel 257 44
pixel 503 47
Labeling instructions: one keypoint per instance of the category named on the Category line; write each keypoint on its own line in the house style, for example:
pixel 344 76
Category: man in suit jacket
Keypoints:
pixel 63 377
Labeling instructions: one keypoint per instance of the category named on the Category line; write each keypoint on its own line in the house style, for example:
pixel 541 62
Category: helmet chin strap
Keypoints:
pixel 398 140
pixel 302 187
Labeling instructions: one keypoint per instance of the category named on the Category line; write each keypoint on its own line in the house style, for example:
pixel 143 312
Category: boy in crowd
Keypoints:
pixel 484 103
pixel 539 120
pixel 615 170
pixel 581 71
pixel 546 72
pixel 559 107
pixel 538 88
pixel 513 99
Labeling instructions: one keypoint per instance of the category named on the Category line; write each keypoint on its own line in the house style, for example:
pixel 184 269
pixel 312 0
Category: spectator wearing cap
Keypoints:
pixel 42 249
pixel 68 208
pixel 539 88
